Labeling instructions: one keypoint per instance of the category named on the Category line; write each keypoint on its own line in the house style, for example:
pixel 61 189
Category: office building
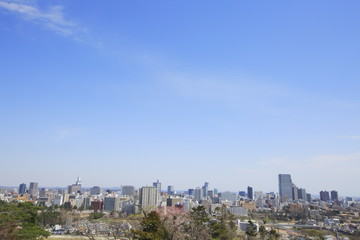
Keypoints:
pixel 191 192
pixel 205 189
pixel 302 194
pixel 250 193
pixel 324 196
pixel 295 193
pixel 22 188
pixel 34 189
pixel 128 190
pixel 334 196
pixel 111 204
pixel 157 184
pixel 170 190
pixel 96 190
pixel 285 187
pixel 198 194
pixel 148 198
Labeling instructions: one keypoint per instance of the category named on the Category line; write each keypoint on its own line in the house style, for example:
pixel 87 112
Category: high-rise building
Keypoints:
pixel 285 187
pixel 34 189
pixel 128 190
pixel 191 191
pixel 302 194
pixel 205 189
pixel 170 190
pixel 334 195
pixel 324 196
pixel 148 197
pixel 198 193
pixel 75 188
pixel 96 190
pixel 22 188
pixel 308 197
pixel 295 193
pixel 250 193
pixel 157 184
pixel 111 204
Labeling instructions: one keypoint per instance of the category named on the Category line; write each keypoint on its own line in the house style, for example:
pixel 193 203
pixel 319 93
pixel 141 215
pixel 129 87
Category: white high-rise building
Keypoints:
pixel 148 197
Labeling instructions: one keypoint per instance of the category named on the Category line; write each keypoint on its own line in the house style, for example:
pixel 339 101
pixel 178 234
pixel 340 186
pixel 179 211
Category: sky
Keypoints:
pixel 232 93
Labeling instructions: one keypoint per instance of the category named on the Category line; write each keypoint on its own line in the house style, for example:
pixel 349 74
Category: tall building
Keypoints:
pixel 198 193
pixel 250 193
pixel 148 197
pixel 308 197
pixel 170 190
pixel 96 190
pixel 22 188
pixel 295 193
pixel 334 195
pixel 34 189
pixel 191 192
pixel 205 189
pixel 302 194
pixel 324 196
pixel 128 190
pixel 111 204
pixel 157 184
pixel 75 188
pixel 285 187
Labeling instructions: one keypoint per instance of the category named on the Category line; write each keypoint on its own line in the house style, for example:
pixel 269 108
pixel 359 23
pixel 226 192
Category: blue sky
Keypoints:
pixel 233 93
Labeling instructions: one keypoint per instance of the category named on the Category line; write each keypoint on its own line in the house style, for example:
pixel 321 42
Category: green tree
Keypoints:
pixel 152 228
pixel 251 230
pixel 19 221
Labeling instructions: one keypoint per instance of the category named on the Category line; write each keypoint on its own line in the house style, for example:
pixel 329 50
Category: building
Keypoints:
pixel 308 197
pixel 170 190
pixel 334 195
pixel 34 189
pixel 228 196
pixel 128 190
pixel 97 205
pixel 157 184
pixel 75 188
pixel 295 193
pixel 191 192
pixel 198 193
pixel 285 187
pixel 302 194
pixel 324 196
pixel 205 189
pixel 22 188
pixel 111 204
pixel 96 190
pixel 148 197
pixel 242 193
pixel 250 193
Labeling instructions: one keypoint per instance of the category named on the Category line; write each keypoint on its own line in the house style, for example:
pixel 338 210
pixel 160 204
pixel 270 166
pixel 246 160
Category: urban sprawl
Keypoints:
pixel 98 213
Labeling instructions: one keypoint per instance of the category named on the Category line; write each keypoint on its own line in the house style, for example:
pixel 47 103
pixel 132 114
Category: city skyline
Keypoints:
pixel 185 92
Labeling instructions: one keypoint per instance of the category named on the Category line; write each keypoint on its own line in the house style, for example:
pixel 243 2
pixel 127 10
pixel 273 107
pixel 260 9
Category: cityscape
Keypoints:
pixel 290 207
pixel 179 120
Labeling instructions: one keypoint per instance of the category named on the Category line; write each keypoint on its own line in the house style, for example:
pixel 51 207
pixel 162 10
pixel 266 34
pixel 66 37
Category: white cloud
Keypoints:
pixel 52 18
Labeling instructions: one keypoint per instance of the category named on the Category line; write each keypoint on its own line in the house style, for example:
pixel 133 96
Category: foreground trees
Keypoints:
pixel 19 221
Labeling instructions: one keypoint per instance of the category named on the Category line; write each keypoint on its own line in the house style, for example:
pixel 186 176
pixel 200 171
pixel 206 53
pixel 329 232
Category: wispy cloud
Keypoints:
pixel 52 18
